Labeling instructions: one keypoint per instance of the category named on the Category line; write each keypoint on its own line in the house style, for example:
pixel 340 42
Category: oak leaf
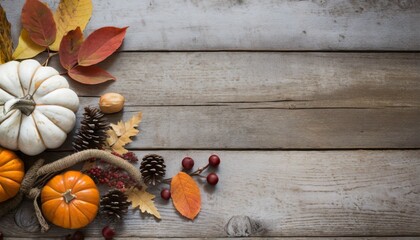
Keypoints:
pixel 100 44
pixel 69 15
pixel 90 75
pixel 69 48
pixel 26 48
pixel 6 43
pixel 120 134
pixel 143 200
pixel 38 20
pixel 185 195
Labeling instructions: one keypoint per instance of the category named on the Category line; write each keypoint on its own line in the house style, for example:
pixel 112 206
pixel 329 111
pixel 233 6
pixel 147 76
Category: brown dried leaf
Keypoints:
pixel 121 133
pixel 143 200
pixel 119 128
pixel 6 43
pixel 112 138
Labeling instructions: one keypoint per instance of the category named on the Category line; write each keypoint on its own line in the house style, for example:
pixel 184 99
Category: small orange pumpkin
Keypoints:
pixel 70 200
pixel 11 174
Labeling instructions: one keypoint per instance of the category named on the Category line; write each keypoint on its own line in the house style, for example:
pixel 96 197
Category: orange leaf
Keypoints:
pixel 100 45
pixel 90 75
pixel 185 195
pixel 38 20
pixel 69 48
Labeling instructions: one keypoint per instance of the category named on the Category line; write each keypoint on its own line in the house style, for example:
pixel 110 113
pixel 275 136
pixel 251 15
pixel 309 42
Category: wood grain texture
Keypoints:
pixel 228 127
pixel 286 193
pixel 254 238
pixel 257 238
pixel 255 25
pixel 267 100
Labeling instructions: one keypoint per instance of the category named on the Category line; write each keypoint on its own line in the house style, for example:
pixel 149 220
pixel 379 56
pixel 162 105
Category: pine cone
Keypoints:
pixel 152 169
pixel 114 205
pixel 92 132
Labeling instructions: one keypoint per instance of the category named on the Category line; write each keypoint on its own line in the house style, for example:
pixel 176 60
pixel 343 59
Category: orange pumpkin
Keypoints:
pixel 70 200
pixel 11 174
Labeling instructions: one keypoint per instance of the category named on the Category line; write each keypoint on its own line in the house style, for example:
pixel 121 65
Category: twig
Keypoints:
pixel 195 173
pixel 50 55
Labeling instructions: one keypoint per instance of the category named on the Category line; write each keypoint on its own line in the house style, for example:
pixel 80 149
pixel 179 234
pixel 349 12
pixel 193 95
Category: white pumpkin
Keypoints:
pixel 37 108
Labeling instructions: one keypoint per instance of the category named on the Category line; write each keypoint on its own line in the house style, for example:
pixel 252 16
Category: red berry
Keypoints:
pixel 165 194
pixel 214 160
pixel 212 179
pixel 108 233
pixel 187 163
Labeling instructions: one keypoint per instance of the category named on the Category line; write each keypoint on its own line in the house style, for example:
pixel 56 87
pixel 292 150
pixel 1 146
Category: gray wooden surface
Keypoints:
pixel 287 193
pixel 288 125
pixel 257 24
pixel 268 100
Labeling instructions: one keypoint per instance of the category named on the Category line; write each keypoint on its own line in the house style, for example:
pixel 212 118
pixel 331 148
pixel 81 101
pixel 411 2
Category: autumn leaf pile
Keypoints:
pixel 61 33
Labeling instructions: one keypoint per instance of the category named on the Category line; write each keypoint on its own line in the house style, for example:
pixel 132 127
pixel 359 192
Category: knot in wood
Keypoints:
pixel 242 226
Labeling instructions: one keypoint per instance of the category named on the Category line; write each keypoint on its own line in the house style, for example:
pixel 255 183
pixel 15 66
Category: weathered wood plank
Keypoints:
pixel 256 25
pixel 230 127
pixel 288 80
pixel 287 193
pixel 268 100
pixel 256 238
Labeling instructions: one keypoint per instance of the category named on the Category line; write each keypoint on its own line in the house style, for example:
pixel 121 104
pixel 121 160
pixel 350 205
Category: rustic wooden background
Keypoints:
pixel 313 107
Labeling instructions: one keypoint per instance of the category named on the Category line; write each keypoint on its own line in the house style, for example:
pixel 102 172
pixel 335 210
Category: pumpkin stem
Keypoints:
pixel 68 197
pixel 26 105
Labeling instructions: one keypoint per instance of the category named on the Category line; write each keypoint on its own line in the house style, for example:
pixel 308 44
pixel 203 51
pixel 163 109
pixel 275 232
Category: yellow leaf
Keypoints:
pixel 119 128
pixel 69 15
pixel 143 200
pixel 118 148
pixel 112 137
pixel 134 121
pixel 26 47
pixel 5 38
pixel 120 134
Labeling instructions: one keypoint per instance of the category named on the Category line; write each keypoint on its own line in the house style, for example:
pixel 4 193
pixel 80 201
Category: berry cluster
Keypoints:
pixel 111 176
pixel 129 156
pixel 188 164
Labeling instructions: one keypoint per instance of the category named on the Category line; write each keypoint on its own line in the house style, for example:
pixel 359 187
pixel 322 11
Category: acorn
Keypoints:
pixel 111 102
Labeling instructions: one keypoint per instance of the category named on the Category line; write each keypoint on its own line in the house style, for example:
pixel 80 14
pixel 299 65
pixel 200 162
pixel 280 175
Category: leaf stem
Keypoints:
pixel 50 55
pixel 195 173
